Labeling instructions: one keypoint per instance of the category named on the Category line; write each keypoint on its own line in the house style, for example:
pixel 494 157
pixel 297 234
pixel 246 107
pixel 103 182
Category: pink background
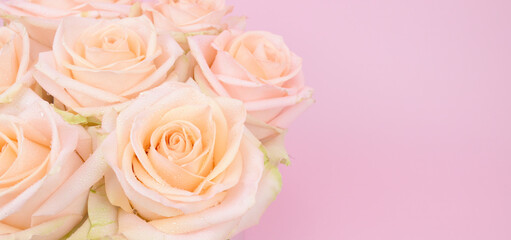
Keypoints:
pixel 410 137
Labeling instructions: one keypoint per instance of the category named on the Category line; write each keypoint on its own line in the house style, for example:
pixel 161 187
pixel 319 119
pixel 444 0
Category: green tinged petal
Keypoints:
pixel 81 232
pixel 135 10
pixel 10 94
pixel 6 99
pixel 269 188
pixel 76 119
pixel 275 173
pixel 275 151
pixel 102 214
pixel 47 230
pixel 266 158
pixel 181 37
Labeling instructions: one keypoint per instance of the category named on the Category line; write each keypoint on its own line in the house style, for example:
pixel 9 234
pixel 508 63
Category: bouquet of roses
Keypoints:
pixel 140 120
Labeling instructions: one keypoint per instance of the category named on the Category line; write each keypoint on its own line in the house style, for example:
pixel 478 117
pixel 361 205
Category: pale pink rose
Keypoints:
pixel 42 17
pixel 257 68
pixel 187 15
pixel 14 61
pixel 101 64
pixel 181 166
pixel 39 151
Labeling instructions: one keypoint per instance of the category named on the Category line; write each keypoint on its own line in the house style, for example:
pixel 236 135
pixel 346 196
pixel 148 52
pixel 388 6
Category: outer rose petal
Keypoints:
pixel 50 230
pixel 102 217
pixel 24 72
pixel 40 29
pixel 277 125
pixel 210 21
pixel 80 182
pixel 81 232
pixel 133 228
pixel 269 188
pixel 69 145
pixel 236 22
pixel 291 112
pixel 42 21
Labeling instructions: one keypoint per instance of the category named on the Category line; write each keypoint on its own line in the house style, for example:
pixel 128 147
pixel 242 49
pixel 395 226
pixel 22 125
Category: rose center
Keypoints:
pixel 114 42
pixel 176 142
pixel 110 40
pixel 271 53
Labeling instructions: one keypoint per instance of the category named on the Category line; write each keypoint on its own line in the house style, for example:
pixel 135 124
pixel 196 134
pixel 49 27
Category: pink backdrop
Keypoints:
pixel 410 137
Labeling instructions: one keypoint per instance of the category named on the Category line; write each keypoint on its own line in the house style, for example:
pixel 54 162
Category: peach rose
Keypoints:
pixel 181 166
pixel 98 64
pixel 14 60
pixel 42 17
pixel 257 68
pixel 39 152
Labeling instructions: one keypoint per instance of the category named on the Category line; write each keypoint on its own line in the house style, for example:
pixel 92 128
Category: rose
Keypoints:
pixel 257 68
pixel 14 60
pixel 187 15
pixel 97 64
pixel 42 17
pixel 181 166
pixel 38 153
pixel 181 162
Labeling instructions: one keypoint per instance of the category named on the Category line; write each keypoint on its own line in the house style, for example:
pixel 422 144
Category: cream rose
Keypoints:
pixel 14 60
pixel 257 68
pixel 180 166
pixel 187 15
pixel 39 151
pixel 42 17
pixel 97 64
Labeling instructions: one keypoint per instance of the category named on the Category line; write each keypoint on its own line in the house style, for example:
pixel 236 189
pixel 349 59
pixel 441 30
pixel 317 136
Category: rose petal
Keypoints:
pixel 269 188
pixel 205 55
